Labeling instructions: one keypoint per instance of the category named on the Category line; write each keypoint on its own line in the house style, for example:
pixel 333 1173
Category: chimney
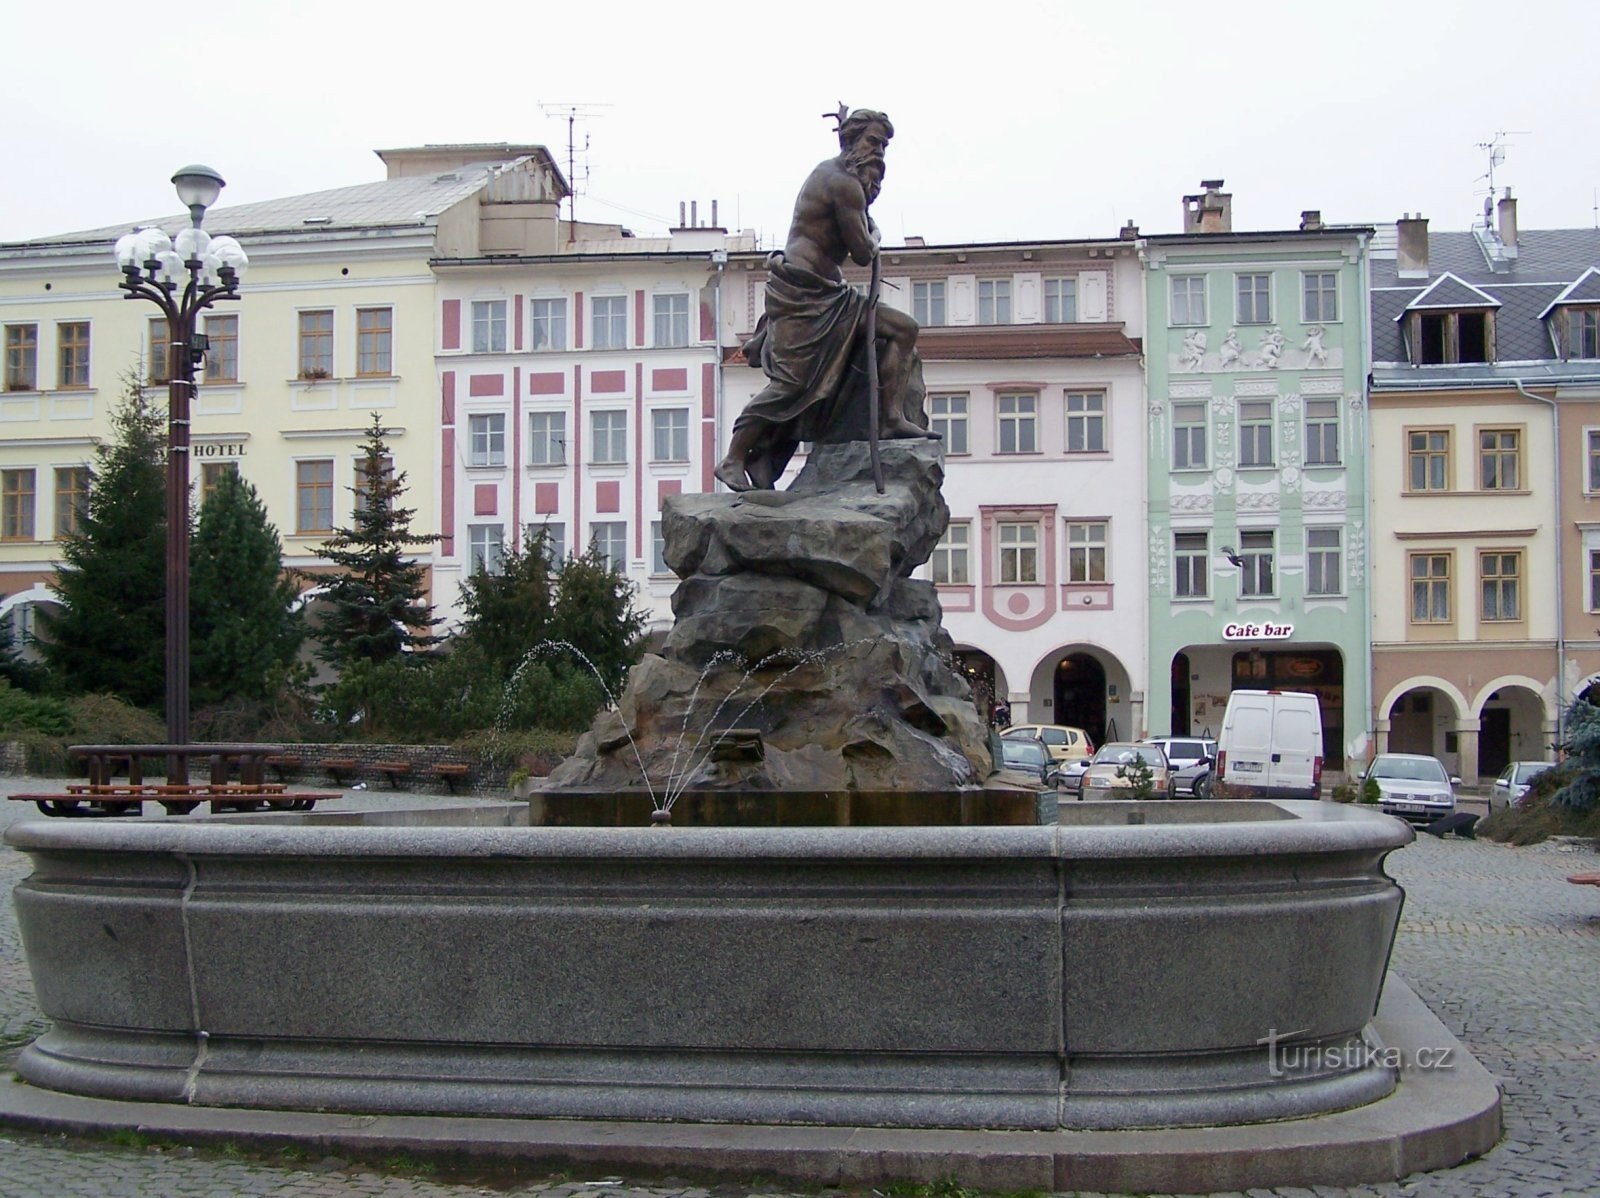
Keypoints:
pixel 913 242
pixel 1209 212
pixel 1412 246
pixel 1129 232
pixel 1311 220
pixel 694 214
pixel 714 224
pixel 682 208
pixel 1508 222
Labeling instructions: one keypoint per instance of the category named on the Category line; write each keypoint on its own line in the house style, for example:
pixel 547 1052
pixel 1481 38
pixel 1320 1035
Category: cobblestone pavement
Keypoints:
pixel 1493 939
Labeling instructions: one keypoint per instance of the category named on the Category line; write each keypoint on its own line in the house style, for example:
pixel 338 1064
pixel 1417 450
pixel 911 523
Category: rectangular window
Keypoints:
pixel 1501 576
pixel 1583 333
pixel 1499 454
pixel 549 324
pixel 1255 433
pixel 211 477
pixel 16 505
pixel 1188 436
pixel 1255 299
pixel 1593 440
pixel 160 352
pixel 1019 421
pixel 486 548
pixel 72 351
pixel 1086 551
pixel 1428 459
pixel 1191 565
pixel 488 326
pixel 1257 575
pixel 316 345
pixel 1322 432
pixel 994 301
pixel 609 442
pixel 547 438
pixel 222 350
pixel 1439 338
pixel 362 482
pixel 486 439
pixel 927 303
pixel 72 498
pixel 22 357
pixel 947 416
pixel 669 435
pixel 1060 301
pixel 314 496
pixel 1430 588
pixel 950 560
pixel 1594 580
pixel 1019 553
pixel 1321 296
pixel 658 549
pixel 374 341
pixel 555 543
pixel 610 537
pixel 1324 572
pixel 671 319
pixel 1086 421
pixel 610 321
pixel 1188 299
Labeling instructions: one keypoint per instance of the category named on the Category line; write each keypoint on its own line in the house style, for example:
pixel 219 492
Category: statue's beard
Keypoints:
pixel 867 166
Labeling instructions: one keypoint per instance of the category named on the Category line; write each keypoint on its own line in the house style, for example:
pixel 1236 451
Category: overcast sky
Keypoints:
pixel 1012 120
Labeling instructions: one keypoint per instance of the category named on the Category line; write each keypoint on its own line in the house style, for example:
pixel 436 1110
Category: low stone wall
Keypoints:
pixel 1110 974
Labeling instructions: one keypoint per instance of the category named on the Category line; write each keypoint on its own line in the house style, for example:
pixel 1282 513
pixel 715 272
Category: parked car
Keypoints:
pixel 1413 786
pixel 1107 773
pixel 1185 751
pixel 1193 781
pixel 1065 743
pixel 1271 745
pixel 1513 783
pixel 1069 778
pixel 1028 756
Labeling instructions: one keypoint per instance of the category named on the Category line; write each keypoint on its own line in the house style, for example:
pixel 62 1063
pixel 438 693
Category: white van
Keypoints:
pixel 1271 745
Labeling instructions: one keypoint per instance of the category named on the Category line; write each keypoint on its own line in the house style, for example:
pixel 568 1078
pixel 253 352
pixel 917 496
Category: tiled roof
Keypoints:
pixel 1549 263
pixel 1586 290
pixel 415 200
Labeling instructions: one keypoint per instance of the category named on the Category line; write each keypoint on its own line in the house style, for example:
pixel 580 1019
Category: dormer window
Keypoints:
pixel 1451 322
pixel 1583 333
pixel 1574 317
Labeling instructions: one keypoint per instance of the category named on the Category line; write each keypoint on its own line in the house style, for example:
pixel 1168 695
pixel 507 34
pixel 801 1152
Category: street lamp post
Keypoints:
pixel 182 276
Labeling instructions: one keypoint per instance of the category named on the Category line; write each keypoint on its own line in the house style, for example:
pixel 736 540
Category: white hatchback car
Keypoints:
pixel 1413 786
pixel 1513 783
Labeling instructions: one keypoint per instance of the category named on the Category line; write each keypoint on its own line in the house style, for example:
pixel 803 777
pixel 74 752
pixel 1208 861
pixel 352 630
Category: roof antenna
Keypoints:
pixel 1495 147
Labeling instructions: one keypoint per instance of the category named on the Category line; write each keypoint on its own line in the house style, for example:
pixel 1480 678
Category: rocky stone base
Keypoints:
pixel 797 625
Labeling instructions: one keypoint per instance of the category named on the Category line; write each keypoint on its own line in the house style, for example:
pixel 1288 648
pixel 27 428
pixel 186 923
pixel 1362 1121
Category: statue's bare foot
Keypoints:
pixel 900 429
pixel 731 474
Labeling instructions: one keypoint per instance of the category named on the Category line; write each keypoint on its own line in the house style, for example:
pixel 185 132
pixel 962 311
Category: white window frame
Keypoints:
pixel 489 326
pixel 668 323
pixel 669 427
pixel 1017 547
pixel 547 438
pixel 1325 297
pixel 1061 307
pixel 951 562
pixel 547 324
pixel 1086 415
pixel 995 306
pixel 1259 283
pixel 486 548
pixel 1257 433
pixel 1183 425
pixel 486 439
pixel 948 415
pixel 1191 564
pixel 1320 415
pixel 1188 318
pixel 658 551
pixel 610 536
pixel 1017 413
pixel 616 317
pixel 1088 551
pixel 928 306
pixel 608 436
pixel 1324 562
pixel 1258 555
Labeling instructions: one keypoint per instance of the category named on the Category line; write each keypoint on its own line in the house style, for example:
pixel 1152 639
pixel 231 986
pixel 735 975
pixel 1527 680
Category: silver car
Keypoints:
pixel 1413 786
pixel 1513 783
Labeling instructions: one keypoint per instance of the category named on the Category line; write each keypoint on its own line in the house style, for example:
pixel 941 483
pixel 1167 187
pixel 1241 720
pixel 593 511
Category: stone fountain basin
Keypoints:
pixel 1102 974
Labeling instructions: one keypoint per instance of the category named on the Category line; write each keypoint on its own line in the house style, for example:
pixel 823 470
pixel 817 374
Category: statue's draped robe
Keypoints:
pixel 811 347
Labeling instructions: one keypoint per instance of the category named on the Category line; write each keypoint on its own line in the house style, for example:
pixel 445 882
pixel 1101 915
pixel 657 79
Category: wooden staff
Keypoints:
pixel 872 372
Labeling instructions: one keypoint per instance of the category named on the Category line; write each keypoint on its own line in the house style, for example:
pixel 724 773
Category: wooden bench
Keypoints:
pixel 393 771
pixel 284 765
pixel 1584 879
pixel 336 766
pixel 178 799
pixel 449 771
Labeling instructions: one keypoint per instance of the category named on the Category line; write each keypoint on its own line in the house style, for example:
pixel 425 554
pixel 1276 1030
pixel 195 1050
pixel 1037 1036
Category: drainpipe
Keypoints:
pixel 721 259
pixel 1561 574
pixel 1365 251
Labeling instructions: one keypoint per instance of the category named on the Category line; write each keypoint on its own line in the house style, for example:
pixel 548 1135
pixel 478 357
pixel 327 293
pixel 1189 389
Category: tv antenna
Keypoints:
pixel 573 112
pixel 1495 147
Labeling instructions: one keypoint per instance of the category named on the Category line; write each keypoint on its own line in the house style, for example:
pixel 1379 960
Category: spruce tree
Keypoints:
pixel 375 606
pixel 508 612
pixel 110 631
pixel 594 612
pixel 244 630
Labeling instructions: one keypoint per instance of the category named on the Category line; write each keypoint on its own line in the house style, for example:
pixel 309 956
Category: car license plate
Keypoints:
pixel 1411 807
pixel 1249 767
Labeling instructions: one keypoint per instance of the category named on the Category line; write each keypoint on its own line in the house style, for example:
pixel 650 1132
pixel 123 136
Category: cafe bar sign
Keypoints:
pixel 1257 632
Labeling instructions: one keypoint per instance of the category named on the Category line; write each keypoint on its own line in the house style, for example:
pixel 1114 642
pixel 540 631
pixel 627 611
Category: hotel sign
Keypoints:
pixel 1257 632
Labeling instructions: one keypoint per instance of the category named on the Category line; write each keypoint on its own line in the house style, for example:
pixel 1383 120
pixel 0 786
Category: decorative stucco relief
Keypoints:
pixel 1158 561
pixel 1195 503
pixel 1356 555
pixel 1327 385
pixel 1325 500
pixel 1194 390
pixel 1256 501
pixel 1256 387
